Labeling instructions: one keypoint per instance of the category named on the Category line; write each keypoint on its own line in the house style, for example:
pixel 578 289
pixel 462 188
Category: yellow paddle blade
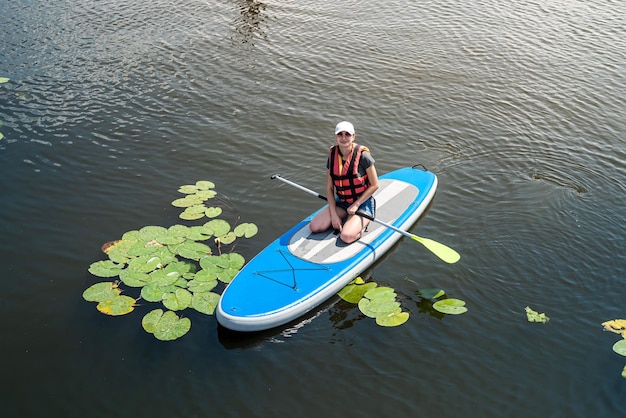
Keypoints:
pixel 444 252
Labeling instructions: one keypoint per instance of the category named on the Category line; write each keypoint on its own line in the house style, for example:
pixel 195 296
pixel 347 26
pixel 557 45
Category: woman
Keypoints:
pixel 352 178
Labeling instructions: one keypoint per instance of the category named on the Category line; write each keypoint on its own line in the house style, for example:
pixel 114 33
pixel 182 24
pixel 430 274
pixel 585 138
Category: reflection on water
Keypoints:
pixel 251 23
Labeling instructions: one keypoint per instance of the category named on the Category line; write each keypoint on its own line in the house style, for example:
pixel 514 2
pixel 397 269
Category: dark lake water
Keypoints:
pixel 519 107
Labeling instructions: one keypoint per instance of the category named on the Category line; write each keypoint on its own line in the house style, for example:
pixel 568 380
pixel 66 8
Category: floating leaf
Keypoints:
pixel 152 292
pixel 4 80
pixel 227 275
pixel 354 292
pixel 624 372
pixel 187 201
pixel 162 278
pixel 150 232
pixel 188 189
pixel 215 263
pixel 620 347
pixel 100 292
pixel 219 227
pixel 151 320
pixel 134 278
pixel 145 264
pixel 431 293
pixel 246 230
pixel 201 286
pixel 617 326
pixel 171 327
pixel 228 238
pixel 119 305
pixel 381 292
pixel 534 316
pixel 206 194
pixel 192 250
pixel 374 308
pixel 105 268
pixel 213 212
pixel 204 185
pixel 165 326
pixel 205 302
pixel 190 215
pixel 178 300
pixel 392 319
pixel 199 233
pixel 450 306
pixel 236 260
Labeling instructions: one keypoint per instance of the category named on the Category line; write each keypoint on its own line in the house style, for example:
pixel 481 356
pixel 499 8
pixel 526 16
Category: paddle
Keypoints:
pixel 444 252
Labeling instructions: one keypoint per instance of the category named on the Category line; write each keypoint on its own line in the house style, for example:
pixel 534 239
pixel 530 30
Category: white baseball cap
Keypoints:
pixel 344 127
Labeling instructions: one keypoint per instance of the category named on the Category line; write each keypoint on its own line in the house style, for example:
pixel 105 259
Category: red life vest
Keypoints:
pixel 345 174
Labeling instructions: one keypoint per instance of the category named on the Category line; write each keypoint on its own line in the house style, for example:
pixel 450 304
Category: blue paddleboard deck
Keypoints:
pixel 300 270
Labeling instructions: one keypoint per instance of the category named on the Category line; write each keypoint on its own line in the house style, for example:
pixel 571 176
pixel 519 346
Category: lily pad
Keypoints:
pixel 165 326
pixel 178 300
pixel 624 372
pixel 187 201
pixel 236 260
pixel 620 347
pixel 219 227
pixel 192 250
pixel 534 316
pixel 392 319
pixel 105 268
pixel 171 327
pixel 205 185
pixel 152 292
pixel 228 238
pixel 215 263
pixel 450 306
pixel 246 230
pixel 100 292
pixel 381 292
pixel 213 212
pixel 145 264
pixel 196 286
pixel 119 305
pixel 4 80
pixel 374 308
pixel 354 292
pixel 134 278
pixel 205 302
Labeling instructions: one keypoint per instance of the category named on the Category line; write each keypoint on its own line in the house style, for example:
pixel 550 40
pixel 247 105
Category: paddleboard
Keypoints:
pixel 301 269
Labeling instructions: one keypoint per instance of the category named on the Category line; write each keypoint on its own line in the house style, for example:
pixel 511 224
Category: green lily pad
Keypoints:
pixel 219 227
pixel 431 293
pixel 145 264
pixel 246 230
pixel 162 279
pixel 620 347
pixel 171 327
pixel 236 260
pixel 205 302
pixel 228 238
pixel 206 194
pixel 178 300
pixel 227 275
pixel 354 292
pixel 377 307
pixel 624 372
pixel 215 262
pixel 143 248
pixel 213 212
pixel 152 292
pixel 450 306
pixel 100 292
pixel 196 286
pixel 392 319
pixel 198 233
pixel 119 305
pixel 105 268
pixel 151 320
pixel 187 201
pixel 381 292
pixel 534 316
pixel 192 250
pixel 134 278
pixel 165 326
pixel 181 267
pixel 150 232
pixel 190 215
